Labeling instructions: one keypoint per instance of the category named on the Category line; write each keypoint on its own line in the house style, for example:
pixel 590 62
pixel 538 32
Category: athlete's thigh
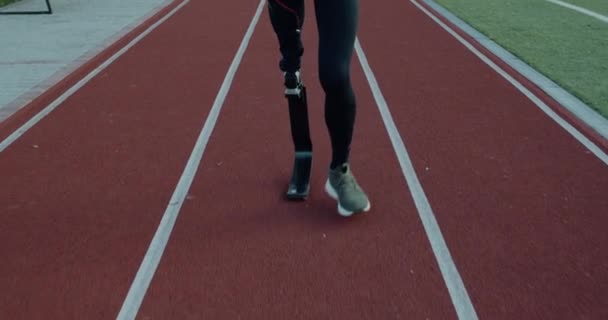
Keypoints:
pixel 337 22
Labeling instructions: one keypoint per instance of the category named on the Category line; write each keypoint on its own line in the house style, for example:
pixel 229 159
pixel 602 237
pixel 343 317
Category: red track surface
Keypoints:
pixel 521 204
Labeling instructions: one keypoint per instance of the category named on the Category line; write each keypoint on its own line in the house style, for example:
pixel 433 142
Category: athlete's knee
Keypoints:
pixel 334 77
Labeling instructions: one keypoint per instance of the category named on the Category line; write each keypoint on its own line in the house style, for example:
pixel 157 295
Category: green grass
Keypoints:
pixel 568 47
pixel 5 2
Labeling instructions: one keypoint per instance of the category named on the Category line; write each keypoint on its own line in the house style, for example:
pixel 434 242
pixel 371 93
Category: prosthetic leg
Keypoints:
pixel 287 18
pixel 295 92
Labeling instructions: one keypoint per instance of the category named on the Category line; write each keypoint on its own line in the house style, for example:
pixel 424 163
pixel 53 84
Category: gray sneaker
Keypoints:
pixel 342 186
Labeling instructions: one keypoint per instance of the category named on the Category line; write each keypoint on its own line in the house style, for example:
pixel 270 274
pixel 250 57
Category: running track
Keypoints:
pixel 520 203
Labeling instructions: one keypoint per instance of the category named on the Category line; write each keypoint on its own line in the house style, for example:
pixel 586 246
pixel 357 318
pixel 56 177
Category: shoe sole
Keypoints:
pixel 343 212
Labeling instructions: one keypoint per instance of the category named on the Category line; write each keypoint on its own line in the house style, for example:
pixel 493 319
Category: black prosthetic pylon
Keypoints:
pixel 299 185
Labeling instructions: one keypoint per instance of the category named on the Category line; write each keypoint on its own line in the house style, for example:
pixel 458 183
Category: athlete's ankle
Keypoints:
pixel 337 162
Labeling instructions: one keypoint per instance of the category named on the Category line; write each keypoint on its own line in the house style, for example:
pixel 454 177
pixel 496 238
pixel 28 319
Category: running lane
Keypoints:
pixel 521 203
pixel 240 251
pixel 83 191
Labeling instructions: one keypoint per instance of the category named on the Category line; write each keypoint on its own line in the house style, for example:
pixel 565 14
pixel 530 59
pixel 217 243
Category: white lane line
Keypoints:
pixel 580 9
pixel 458 293
pixel 157 246
pixel 48 109
pixel 537 101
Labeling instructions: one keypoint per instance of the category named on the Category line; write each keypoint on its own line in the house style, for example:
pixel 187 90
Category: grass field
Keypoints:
pixel 5 2
pixel 568 47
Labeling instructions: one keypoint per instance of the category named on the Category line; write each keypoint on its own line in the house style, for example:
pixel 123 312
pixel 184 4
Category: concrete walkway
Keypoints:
pixel 38 50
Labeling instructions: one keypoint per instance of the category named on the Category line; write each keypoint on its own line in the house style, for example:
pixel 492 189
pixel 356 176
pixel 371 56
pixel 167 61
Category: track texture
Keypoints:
pixel 83 191
pixel 521 204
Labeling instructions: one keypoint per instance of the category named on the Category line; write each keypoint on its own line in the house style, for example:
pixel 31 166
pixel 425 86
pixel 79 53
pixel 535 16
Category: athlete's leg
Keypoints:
pixel 287 19
pixel 337 24
pixel 337 27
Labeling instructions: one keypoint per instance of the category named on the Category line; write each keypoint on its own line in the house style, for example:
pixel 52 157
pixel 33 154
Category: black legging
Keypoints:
pixel 337 27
